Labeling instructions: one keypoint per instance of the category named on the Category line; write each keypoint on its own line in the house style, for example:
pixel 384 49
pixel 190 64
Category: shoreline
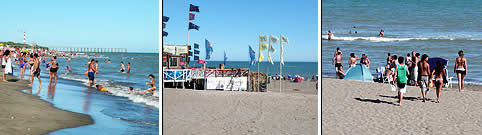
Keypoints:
pixel 23 113
pixel 356 107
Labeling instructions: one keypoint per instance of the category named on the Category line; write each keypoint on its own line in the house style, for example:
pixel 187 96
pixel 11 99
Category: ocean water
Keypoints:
pixel 114 112
pixel 436 28
pixel 305 69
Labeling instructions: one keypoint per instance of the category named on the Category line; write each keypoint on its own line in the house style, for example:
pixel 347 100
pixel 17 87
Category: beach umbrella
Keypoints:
pixel 202 61
pixel 433 62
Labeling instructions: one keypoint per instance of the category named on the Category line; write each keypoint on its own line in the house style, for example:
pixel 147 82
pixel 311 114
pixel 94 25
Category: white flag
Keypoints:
pixel 270 60
pixel 281 55
pixel 284 39
pixel 273 40
pixel 271 49
pixel 263 38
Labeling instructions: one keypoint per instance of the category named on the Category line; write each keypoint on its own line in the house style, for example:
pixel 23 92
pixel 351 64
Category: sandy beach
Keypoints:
pixel 294 111
pixel 354 107
pixel 25 114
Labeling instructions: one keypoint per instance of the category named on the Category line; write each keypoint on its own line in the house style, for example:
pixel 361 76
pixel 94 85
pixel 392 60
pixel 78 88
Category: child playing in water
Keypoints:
pixel 153 86
pixel 101 88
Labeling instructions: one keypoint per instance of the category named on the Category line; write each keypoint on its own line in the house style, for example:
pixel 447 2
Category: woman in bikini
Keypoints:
pixel 439 73
pixel 22 62
pixel 461 69
pixel 53 69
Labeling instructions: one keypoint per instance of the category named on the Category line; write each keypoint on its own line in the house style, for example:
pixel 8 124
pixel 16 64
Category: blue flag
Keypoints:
pixel 225 58
pixel 209 50
pixel 193 8
pixel 196 46
pixel 193 26
pixel 252 56
pixel 165 19
pixel 164 34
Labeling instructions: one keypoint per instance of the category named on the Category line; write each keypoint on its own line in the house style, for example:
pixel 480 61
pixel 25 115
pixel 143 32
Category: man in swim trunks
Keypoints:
pixel 425 75
pixel 153 86
pixel 461 69
pixel 329 35
pixel 91 72
pixel 415 60
pixel 36 71
pixel 337 60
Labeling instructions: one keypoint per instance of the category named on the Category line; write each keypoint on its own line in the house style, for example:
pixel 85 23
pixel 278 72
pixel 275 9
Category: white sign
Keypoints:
pixel 181 50
pixel 227 83
pixel 169 49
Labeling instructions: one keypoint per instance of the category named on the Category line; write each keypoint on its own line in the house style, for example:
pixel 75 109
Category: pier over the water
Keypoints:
pixel 89 50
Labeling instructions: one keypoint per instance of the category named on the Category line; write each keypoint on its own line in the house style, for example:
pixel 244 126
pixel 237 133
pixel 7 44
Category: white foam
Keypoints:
pixel 373 39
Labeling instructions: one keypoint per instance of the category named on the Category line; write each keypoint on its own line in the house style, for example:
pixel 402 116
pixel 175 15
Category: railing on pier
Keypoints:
pixel 89 50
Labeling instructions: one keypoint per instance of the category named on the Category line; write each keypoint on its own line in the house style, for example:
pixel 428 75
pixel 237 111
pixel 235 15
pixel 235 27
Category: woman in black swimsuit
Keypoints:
pixel 31 61
pixel 53 69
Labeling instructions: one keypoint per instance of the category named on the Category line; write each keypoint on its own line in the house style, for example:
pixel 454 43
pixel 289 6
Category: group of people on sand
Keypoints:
pixel 380 34
pixel 410 70
pixel 29 60
pixel 353 60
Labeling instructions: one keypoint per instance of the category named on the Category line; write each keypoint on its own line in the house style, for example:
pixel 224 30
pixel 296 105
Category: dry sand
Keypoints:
pixel 354 107
pixel 213 112
pixel 25 114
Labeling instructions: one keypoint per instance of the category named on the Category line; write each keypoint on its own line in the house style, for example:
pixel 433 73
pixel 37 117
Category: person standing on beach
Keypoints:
pixel 31 62
pixel 337 61
pixel 353 59
pixel 23 65
pixel 439 73
pixel 364 60
pixel 53 69
pixel 340 74
pixel 425 75
pixel 329 35
pixel 401 78
pixel 36 71
pixel 461 69
pixel 91 72
pixel 4 63
pixel 389 59
pixel 415 60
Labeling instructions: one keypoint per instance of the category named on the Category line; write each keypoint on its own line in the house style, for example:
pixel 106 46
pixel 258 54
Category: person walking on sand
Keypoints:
pixel 152 89
pixel 36 71
pixel 91 73
pixel 461 69
pixel 329 35
pixel 425 75
pixel 401 73
pixel 353 59
pixel 439 73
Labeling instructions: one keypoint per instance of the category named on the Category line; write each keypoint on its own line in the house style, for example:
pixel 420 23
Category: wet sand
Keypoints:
pixel 354 107
pixel 25 114
pixel 294 111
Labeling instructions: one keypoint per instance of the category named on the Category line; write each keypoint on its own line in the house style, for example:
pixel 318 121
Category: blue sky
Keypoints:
pixel 233 25
pixel 131 24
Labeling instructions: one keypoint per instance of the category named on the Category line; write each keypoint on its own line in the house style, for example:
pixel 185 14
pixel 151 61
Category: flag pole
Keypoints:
pixel 259 54
pixel 267 67
pixel 280 58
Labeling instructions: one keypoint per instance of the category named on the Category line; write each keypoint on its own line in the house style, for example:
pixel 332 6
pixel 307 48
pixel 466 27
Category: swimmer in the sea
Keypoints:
pixel 329 35
pixel 381 33
pixel 67 69
pixel 131 90
pixel 128 67
pixel 153 86
pixel 122 67
pixel 100 88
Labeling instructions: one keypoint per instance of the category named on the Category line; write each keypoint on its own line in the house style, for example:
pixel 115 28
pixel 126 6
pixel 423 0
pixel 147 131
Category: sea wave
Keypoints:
pixel 116 89
pixel 390 39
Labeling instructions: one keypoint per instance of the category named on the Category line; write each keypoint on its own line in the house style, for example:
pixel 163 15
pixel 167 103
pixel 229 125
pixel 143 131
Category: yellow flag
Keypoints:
pixel 263 38
pixel 263 46
pixel 1 44
pixel 260 57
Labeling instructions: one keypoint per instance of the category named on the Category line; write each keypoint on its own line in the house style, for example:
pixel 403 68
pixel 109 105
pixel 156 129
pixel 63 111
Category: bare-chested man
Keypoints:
pixel 461 69
pixel 424 70
pixel 91 72
pixel 337 61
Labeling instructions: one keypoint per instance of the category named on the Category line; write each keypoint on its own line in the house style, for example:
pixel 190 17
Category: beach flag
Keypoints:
pixel 164 34
pixel 196 46
pixel 193 8
pixel 165 19
pixel 225 58
pixel 281 55
pixel 270 60
pixel 196 58
pixel 263 46
pixel 196 51
pixel 163 25
pixel 260 57
pixel 263 38
pixel 193 26
pixel 284 39
pixel 251 56
pixel 271 49
pixel 209 50
pixel 191 16
pixel 273 40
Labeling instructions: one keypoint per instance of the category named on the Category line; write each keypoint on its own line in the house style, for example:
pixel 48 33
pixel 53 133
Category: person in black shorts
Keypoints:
pixel 53 69
pixel 36 71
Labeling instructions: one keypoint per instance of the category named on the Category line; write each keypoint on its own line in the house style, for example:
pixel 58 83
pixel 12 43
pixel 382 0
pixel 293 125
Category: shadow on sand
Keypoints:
pixel 374 101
